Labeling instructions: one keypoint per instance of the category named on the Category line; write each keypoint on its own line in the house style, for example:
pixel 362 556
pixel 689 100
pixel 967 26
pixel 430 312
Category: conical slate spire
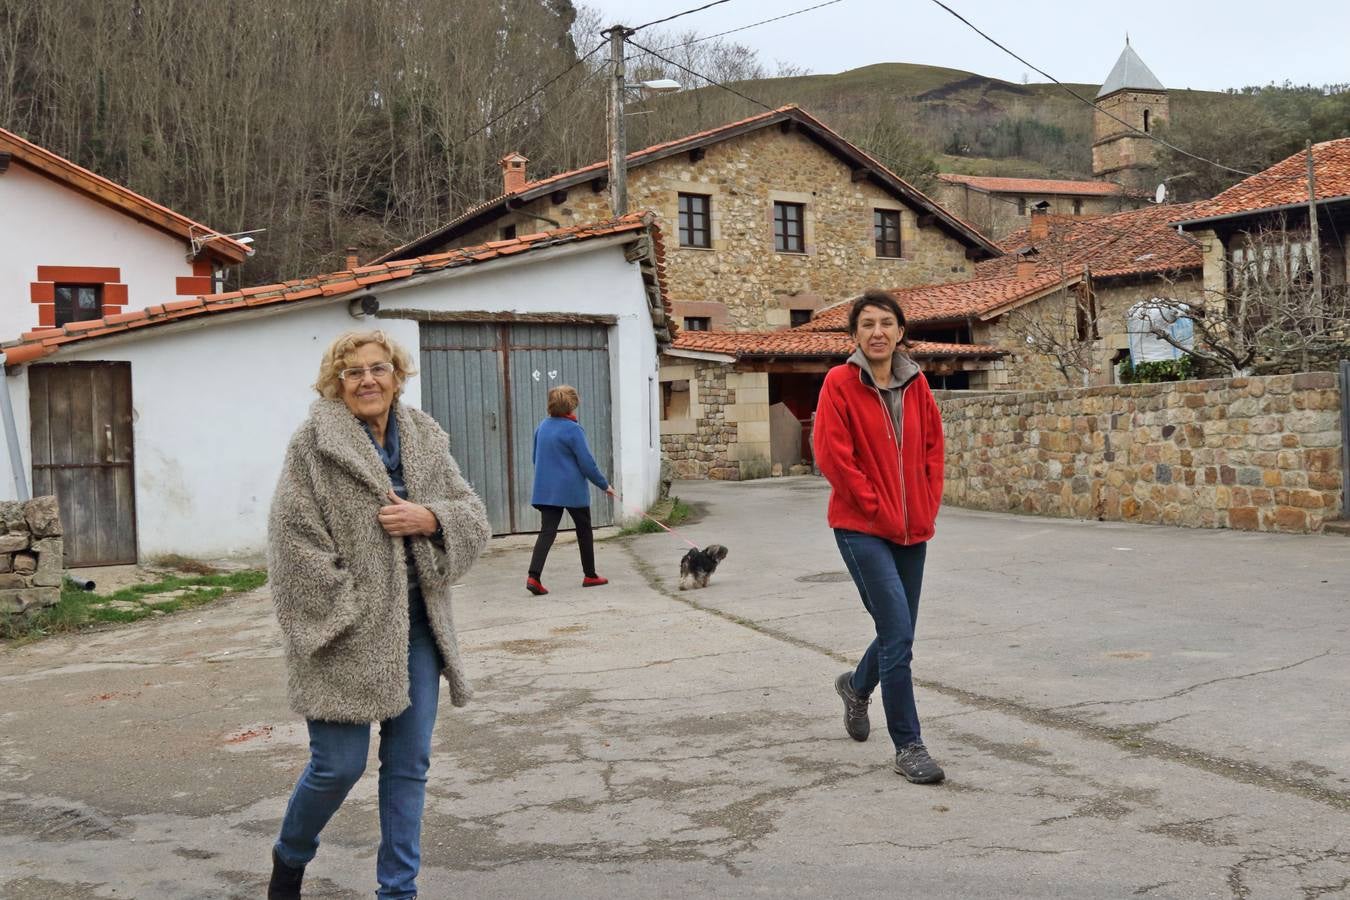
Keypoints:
pixel 1130 72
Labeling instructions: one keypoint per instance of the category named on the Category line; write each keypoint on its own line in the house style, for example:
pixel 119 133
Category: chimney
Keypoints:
pixel 1026 267
pixel 1040 224
pixel 352 261
pixel 513 172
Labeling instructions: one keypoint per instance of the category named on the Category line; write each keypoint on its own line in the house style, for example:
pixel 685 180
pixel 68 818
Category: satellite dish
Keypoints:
pixel 1160 194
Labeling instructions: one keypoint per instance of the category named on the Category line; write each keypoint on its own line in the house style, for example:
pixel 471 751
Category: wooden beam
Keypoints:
pixel 785 126
pixel 599 185
pixel 927 219
pixel 557 198
pixel 974 252
pixel 4 163
pixel 697 154
pixel 861 174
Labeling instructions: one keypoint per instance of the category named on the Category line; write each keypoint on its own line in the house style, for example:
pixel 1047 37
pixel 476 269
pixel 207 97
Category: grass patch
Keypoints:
pixel 185 564
pixel 80 609
pixel 672 513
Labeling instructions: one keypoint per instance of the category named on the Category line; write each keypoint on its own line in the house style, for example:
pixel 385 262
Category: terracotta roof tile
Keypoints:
pixel 40 342
pixel 1283 184
pixel 800 343
pixel 996 185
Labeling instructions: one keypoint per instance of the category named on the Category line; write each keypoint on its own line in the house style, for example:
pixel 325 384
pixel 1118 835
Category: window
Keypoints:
pixel 697 323
pixel 1021 206
pixel 789 235
pixel 1077 206
pixel 78 303
pixel 886 231
pixel 799 317
pixel 695 220
pixel 1146 120
pixel 675 399
pixel 508 233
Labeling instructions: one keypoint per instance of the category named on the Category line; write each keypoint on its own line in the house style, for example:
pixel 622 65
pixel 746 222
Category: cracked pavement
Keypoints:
pixel 1121 710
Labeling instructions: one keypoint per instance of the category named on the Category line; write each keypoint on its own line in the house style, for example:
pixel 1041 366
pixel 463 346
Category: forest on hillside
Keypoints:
pixel 335 123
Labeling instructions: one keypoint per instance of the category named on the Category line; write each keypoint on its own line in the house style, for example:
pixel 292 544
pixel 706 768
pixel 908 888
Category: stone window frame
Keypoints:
pixel 705 323
pixel 707 214
pixel 713 192
pixel 907 233
pixel 807 202
pixel 880 212
pixel 689 373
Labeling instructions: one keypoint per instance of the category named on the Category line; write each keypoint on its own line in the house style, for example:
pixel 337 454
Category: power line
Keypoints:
pixel 1081 98
pixel 687 12
pixel 530 96
pixel 752 25
pixel 690 71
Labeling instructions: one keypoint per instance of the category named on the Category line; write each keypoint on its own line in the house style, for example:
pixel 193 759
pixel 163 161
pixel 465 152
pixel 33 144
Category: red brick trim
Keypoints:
pixel 202 267
pixel 47 315
pixel 192 285
pixel 42 291
pixel 114 295
pixel 79 274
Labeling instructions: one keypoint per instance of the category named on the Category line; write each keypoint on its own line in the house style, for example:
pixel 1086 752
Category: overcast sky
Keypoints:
pixel 1187 43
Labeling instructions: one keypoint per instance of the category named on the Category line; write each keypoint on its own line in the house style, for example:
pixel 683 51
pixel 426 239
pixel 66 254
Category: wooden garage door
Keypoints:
pixel 82 453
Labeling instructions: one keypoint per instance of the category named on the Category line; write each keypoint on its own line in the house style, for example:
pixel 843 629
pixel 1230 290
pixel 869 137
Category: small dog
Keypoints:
pixel 697 566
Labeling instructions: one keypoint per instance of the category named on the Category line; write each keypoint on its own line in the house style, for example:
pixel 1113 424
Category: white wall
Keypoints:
pixel 48 224
pixel 215 406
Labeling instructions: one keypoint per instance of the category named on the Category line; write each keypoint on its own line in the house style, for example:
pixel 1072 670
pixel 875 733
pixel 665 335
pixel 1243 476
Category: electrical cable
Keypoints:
pixel 751 25
pixel 687 12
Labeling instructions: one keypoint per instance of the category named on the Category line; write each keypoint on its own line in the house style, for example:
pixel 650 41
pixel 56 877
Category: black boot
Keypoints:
pixel 285 883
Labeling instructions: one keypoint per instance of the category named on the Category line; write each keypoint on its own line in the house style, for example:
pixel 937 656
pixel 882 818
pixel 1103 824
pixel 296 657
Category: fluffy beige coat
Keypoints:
pixel 339 582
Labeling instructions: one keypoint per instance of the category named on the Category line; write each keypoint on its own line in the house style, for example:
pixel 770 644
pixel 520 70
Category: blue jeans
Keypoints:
pixel 337 757
pixel 889 578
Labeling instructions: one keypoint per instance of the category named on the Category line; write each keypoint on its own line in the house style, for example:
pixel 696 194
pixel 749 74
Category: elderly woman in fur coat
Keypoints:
pixel 370 525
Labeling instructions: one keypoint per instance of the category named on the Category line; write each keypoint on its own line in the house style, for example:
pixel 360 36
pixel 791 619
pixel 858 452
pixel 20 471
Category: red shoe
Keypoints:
pixel 534 587
pixel 593 581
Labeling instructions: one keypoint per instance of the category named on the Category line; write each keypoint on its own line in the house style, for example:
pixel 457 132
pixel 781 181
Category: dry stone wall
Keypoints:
pixel 1260 453
pixel 706 451
pixel 31 551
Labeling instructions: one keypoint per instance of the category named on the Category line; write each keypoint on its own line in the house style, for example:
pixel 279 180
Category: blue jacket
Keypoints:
pixel 563 464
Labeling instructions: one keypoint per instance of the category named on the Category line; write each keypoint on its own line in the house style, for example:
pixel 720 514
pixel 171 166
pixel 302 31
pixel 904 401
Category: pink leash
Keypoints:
pixel 659 523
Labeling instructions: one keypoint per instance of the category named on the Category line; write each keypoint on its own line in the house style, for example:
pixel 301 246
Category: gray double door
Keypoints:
pixel 487 385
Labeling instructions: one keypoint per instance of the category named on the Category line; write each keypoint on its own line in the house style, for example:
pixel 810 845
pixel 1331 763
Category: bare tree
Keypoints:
pixel 1268 311
pixel 1063 328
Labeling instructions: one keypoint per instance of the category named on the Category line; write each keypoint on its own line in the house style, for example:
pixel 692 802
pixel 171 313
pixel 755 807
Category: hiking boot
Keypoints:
pixel 913 762
pixel 856 722
pixel 285 883
pixel 593 581
pixel 534 587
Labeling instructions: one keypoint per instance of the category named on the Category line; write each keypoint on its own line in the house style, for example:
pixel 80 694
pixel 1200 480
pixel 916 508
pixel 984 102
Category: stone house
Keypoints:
pixel 1234 229
pixel 1000 206
pixel 768 219
pixel 78 246
pixel 1075 279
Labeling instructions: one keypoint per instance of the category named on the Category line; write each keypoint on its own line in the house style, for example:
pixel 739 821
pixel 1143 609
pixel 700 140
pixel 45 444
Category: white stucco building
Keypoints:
pixel 75 246
pixel 163 431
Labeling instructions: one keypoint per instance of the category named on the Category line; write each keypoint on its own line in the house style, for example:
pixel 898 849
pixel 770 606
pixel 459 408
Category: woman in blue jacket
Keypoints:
pixel 562 466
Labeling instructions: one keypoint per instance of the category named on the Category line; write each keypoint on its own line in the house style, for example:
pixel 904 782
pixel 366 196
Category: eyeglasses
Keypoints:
pixel 356 376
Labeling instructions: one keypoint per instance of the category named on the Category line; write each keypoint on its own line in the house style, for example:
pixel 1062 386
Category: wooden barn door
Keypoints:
pixel 82 453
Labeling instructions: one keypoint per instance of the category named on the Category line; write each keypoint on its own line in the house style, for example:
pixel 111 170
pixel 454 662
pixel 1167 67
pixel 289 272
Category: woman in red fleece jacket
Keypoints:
pixel 878 439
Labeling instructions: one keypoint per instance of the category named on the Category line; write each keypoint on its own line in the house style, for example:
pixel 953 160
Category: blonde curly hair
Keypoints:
pixel 335 359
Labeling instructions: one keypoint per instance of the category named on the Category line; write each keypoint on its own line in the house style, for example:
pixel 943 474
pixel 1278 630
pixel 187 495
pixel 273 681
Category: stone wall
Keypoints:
pixel 698 445
pixel 31 556
pixel 1119 155
pixel 1259 453
pixel 742 273
pixel 997 215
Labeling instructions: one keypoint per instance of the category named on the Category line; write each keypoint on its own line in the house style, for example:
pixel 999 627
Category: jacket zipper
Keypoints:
pixel 899 458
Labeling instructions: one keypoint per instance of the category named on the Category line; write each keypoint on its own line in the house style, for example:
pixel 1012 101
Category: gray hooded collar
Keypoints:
pixel 340 438
pixel 903 369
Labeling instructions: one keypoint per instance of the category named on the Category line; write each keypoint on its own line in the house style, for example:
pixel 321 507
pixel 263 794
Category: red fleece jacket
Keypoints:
pixel 883 486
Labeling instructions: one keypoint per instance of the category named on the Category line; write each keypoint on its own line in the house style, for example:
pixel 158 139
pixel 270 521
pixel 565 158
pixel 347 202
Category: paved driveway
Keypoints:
pixel 1121 710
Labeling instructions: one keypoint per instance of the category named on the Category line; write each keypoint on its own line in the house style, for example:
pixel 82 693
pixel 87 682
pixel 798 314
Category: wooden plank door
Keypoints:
pixel 82 452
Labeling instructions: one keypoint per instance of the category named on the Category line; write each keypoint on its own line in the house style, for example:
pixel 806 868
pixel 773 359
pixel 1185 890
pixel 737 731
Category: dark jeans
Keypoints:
pixel 581 518
pixel 338 757
pixel 889 578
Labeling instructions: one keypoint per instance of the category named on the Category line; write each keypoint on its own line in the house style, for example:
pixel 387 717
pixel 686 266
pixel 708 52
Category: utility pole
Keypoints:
pixel 618 149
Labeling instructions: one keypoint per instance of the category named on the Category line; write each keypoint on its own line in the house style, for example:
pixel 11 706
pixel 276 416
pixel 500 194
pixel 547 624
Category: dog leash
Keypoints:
pixel 659 523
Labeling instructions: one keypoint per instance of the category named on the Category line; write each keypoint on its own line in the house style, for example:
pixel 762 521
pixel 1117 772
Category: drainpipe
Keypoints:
pixel 12 435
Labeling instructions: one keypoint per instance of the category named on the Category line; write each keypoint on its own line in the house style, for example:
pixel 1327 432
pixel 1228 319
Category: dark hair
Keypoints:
pixel 878 299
